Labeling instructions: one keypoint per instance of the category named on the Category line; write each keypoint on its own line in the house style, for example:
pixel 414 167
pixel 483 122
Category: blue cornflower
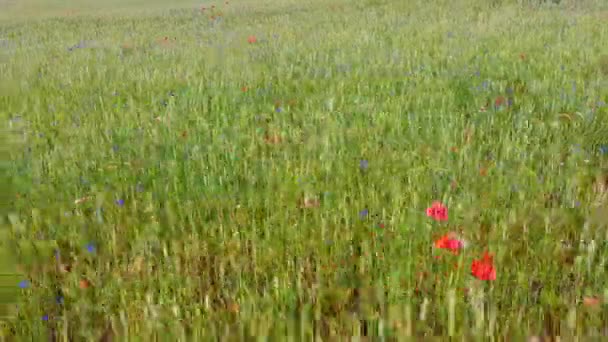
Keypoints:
pixel 120 202
pixel 90 248
pixel 24 284
pixel 363 213
pixel 278 109
pixel 45 317
pixel 363 164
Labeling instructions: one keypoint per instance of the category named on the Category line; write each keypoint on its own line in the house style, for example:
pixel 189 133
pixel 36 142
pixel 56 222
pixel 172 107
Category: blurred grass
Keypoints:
pixel 184 155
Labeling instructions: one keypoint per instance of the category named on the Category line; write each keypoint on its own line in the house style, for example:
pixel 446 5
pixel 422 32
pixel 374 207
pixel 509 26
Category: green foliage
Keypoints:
pixel 203 186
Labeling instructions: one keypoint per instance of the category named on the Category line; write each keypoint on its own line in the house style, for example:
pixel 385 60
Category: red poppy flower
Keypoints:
pixel 592 301
pixel 484 268
pixel 84 284
pixel 252 39
pixel 437 211
pixel 500 100
pixel 449 242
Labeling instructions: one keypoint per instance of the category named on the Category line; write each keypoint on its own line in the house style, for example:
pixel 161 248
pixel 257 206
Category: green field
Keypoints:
pixel 264 168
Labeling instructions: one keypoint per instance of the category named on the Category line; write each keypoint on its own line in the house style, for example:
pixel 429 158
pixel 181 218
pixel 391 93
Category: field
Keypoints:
pixel 314 169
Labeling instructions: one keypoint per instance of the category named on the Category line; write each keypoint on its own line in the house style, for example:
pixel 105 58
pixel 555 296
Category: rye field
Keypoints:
pixel 303 170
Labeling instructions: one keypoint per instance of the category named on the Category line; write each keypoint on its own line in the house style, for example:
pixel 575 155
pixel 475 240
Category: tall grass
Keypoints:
pixel 264 168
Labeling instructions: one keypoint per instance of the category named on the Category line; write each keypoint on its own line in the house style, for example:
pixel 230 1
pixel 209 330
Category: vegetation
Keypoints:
pixel 304 168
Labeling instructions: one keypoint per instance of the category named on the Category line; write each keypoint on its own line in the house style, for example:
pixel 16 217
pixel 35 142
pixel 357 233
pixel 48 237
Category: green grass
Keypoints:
pixel 211 144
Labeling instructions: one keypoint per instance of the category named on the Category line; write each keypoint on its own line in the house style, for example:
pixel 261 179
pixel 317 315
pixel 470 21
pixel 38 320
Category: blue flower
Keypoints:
pixel 90 248
pixel 363 164
pixel 604 149
pixel 45 317
pixel 363 213
pixel 120 202
pixel 278 109
pixel 24 284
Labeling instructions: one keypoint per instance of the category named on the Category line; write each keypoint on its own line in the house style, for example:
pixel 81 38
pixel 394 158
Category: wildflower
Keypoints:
pixel 591 301
pixel 437 211
pixel 484 268
pixel 90 247
pixel 499 101
pixel 84 284
pixel 120 202
pixel 244 89
pixel 363 164
pixel 45 317
pixel 278 109
pixel 24 284
pixel 363 213
pixel 604 149
pixel 252 39
pixel 449 242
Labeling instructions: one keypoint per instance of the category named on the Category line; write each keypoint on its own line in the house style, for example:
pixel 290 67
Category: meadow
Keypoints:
pixel 311 169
